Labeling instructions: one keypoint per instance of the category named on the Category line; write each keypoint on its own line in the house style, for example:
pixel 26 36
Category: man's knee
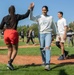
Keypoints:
pixel 62 43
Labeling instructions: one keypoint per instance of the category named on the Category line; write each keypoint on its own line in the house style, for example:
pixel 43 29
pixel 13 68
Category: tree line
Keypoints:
pixel 34 26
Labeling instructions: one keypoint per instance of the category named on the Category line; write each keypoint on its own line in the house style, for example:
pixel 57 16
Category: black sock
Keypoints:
pixel 10 61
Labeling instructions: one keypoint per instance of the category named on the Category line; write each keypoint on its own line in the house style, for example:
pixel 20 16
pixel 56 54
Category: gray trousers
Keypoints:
pixel 70 39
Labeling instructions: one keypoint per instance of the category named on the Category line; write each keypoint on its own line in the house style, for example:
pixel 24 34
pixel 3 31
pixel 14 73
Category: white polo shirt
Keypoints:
pixel 61 24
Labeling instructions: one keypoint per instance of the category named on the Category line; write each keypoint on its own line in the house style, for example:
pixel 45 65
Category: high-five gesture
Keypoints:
pixel 31 6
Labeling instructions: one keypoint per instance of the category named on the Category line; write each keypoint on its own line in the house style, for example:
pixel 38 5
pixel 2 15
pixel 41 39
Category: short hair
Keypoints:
pixel 61 12
pixel 45 7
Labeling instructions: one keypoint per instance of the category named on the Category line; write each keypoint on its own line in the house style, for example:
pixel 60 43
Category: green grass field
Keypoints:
pixel 35 51
pixel 64 69
pixel 38 70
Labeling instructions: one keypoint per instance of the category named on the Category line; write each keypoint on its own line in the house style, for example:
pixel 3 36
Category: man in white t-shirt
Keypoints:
pixel 61 36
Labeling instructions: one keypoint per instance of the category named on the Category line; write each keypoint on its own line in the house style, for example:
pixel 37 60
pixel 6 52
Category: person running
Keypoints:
pixel 10 34
pixel 70 37
pixel 46 26
pixel 62 33
pixel 29 37
pixel 22 34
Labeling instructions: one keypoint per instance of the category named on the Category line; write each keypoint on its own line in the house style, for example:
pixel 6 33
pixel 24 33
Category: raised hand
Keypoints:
pixel 31 6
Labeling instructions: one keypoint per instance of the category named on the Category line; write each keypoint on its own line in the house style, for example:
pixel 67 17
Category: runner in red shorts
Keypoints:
pixel 11 34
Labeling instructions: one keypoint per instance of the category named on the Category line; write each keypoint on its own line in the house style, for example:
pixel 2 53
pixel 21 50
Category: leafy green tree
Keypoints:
pixel 34 27
pixel 71 25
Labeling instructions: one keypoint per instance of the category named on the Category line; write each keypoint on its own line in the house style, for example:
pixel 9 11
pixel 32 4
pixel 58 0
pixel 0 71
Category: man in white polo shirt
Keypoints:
pixel 61 36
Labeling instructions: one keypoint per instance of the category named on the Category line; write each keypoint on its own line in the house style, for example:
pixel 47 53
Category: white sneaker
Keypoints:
pixel 47 67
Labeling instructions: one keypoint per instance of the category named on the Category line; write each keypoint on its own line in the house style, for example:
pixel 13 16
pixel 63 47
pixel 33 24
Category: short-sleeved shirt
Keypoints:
pixel 69 33
pixel 22 33
pixel 61 24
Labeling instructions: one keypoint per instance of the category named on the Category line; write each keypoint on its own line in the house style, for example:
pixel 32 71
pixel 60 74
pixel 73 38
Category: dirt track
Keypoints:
pixel 24 60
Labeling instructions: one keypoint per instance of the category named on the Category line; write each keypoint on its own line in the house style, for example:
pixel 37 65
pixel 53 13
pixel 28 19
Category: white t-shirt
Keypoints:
pixel 46 24
pixel 61 24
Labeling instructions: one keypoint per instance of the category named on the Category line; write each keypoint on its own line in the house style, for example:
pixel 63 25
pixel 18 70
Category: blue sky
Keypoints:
pixel 67 6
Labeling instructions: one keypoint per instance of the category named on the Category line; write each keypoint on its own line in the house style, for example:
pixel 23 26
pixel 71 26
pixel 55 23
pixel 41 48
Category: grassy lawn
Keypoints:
pixel 38 70
pixel 2 42
pixel 35 51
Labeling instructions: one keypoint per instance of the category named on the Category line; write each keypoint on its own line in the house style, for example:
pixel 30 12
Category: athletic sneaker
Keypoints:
pixel 61 57
pixel 10 66
pixel 47 67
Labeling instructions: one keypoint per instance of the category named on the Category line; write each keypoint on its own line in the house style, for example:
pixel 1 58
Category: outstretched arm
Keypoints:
pixel 20 17
pixel 31 14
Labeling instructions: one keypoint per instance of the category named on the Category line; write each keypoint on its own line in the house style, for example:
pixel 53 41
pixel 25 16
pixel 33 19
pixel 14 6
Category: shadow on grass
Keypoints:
pixel 62 72
pixel 27 66
pixel 71 56
pixel 62 64
pixel 21 68
pixel 57 66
